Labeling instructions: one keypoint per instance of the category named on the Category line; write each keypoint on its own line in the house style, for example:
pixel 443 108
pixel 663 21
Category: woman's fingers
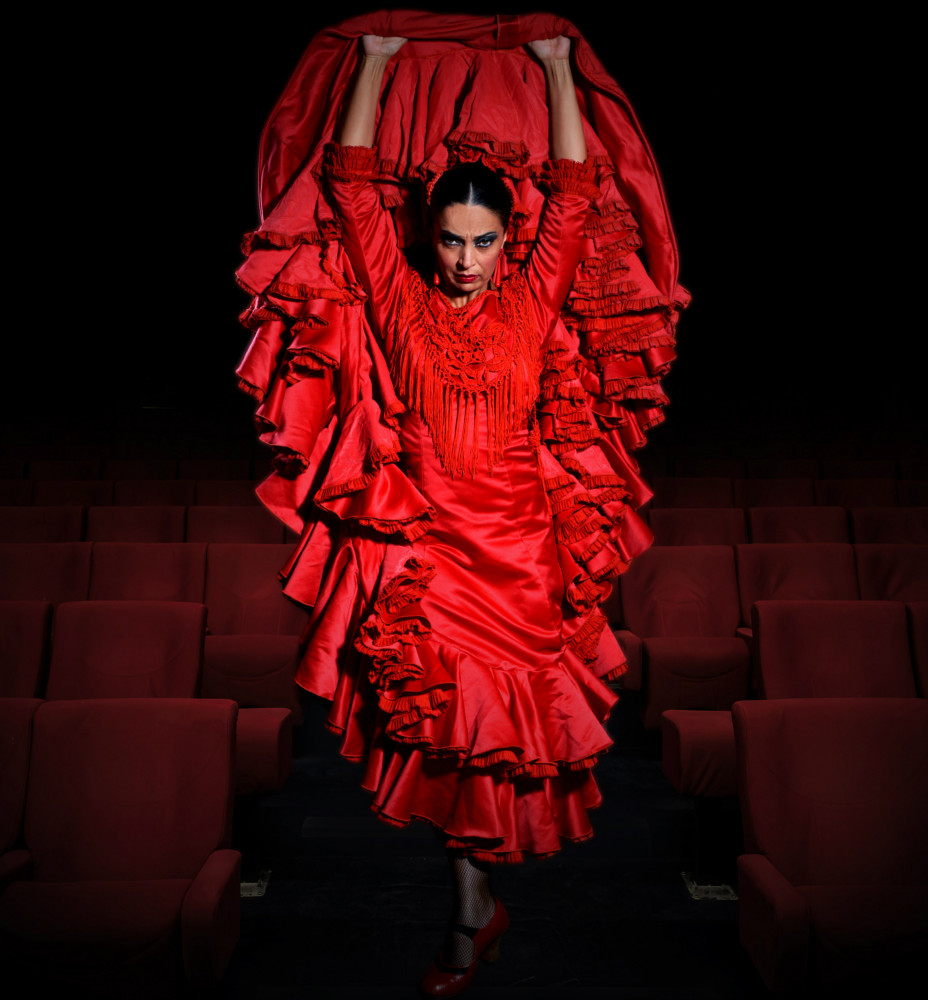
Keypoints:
pixel 379 45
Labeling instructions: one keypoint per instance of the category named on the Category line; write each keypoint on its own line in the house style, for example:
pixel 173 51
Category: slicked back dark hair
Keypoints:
pixel 472 184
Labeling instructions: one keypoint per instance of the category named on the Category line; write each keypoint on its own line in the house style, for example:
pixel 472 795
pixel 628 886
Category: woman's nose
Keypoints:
pixel 466 257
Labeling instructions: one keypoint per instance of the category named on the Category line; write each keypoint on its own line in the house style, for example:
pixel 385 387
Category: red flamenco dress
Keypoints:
pixel 461 478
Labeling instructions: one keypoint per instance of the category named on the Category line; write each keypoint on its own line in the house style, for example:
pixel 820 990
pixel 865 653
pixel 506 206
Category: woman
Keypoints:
pixel 479 510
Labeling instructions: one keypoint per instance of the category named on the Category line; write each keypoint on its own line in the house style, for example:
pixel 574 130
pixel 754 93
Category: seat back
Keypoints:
pixel 833 791
pixel 41 524
pixel 25 631
pixel 127 649
pixel 833 649
pixel 917 612
pixel 816 571
pixel 895 525
pixel 156 523
pixel 681 590
pixel 785 492
pixel 892 572
pixel 243 590
pixel 137 788
pixel 695 491
pixel 233 524
pixel 866 492
pixel 44 571
pixel 798 524
pixel 15 748
pixel 698 525
pixel 148 571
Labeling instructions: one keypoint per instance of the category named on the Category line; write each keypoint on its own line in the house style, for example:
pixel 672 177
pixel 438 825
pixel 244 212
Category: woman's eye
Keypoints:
pixel 483 244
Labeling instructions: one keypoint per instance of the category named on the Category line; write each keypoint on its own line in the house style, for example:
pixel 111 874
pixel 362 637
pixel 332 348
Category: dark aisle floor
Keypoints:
pixel 356 909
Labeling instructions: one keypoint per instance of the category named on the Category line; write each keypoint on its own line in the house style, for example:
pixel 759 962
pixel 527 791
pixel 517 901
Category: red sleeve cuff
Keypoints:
pixel 570 177
pixel 349 163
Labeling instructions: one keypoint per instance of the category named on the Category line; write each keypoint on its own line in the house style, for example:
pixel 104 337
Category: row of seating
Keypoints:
pixel 155 523
pixel 127 492
pixel 833 881
pixel 826 467
pixel 116 874
pixel 671 525
pixel 724 491
pixel 237 581
pixel 669 491
pixel 158 649
pixel 803 649
pixel 128 468
pixel 736 525
pixel 683 613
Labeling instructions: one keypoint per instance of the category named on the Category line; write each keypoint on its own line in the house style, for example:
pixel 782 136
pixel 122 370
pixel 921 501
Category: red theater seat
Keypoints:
pixel 698 525
pixel 233 524
pixel 64 468
pixel 774 492
pixel 784 468
pixel 798 524
pixel 719 468
pixel 25 631
pixel 136 524
pixel 856 492
pixel 127 649
pixel 81 493
pixel 16 492
pixel 804 649
pixel 16 728
pixel 226 493
pixel 894 525
pixel 912 492
pixel 153 492
pixel 833 887
pixel 681 602
pixel 253 647
pixel 44 571
pixel 41 524
pixel 696 491
pixel 893 572
pixel 214 468
pixel 140 468
pixel 148 571
pixel 817 571
pixel 917 612
pixel 125 886
pixel 858 468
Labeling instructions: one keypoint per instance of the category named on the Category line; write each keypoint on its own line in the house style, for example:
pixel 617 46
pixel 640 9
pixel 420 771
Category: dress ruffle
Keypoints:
pixel 437 728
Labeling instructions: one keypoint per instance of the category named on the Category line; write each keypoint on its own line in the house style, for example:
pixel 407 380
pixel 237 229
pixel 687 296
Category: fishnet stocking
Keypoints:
pixel 473 906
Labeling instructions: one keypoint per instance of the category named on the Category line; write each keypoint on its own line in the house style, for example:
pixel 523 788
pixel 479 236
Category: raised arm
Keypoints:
pixel 552 265
pixel 361 115
pixel 567 141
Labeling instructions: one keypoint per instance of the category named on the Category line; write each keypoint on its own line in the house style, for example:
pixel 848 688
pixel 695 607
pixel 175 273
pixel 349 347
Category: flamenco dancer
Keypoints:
pixel 452 442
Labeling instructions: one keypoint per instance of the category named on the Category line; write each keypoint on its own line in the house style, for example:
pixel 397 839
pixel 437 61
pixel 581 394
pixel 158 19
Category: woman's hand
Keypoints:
pixel 547 49
pixel 377 45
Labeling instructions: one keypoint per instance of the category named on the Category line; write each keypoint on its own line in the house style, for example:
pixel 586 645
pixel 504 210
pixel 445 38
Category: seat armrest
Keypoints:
pixel 774 924
pixel 210 918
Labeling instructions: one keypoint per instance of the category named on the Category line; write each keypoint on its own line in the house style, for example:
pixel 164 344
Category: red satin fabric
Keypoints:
pixel 478 697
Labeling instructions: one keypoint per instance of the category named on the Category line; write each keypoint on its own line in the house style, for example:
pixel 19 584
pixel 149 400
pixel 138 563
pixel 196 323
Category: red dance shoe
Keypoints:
pixel 444 980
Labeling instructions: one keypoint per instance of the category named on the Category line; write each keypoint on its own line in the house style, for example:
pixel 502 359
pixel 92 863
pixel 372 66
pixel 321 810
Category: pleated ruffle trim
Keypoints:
pixel 441 700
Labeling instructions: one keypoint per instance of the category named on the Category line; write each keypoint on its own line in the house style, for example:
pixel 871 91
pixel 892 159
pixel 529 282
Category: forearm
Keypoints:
pixel 360 119
pixel 567 140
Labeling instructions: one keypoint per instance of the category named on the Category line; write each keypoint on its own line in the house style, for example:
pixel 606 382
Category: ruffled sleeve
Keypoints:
pixel 368 235
pixel 552 263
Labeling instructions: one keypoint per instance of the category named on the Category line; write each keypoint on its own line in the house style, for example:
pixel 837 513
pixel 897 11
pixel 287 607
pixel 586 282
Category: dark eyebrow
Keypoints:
pixel 446 234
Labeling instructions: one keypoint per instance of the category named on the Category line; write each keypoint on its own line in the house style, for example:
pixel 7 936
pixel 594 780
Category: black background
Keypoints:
pixel 784 147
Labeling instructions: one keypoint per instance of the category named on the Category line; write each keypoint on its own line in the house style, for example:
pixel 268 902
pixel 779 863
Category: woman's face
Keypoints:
pixel 468 241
